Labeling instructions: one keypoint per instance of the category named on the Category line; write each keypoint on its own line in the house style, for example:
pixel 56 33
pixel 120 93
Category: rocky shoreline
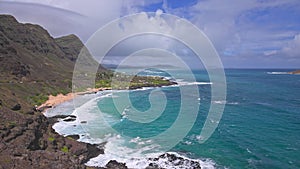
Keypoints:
pixel 30 142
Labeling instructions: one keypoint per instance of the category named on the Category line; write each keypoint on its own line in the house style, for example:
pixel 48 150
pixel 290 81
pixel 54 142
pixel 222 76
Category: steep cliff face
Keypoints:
pixel 70 45
pixel 32 62
pixel 32 65
pixel 32 37
pixel 28 50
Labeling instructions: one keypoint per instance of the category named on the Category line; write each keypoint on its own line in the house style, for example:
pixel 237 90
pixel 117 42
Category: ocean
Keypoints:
pixel 259 128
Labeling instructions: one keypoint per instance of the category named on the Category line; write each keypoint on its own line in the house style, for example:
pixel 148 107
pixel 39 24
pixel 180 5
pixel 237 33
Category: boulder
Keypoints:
pixel 16 107
pixel 113 164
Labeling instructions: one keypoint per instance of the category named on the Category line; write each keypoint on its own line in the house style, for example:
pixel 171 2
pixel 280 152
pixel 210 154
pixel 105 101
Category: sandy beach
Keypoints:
pixel 60 98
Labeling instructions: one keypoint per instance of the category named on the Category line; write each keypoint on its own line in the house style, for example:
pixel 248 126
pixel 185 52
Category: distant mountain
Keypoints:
pixel 163 66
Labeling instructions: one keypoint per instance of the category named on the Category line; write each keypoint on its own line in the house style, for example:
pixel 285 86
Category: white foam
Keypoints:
pixel 187 142
pixel 233 103
pixel 136 152
pixel 277 73
pixel 224 102
pixel 219 101
pixel 141 154
pixel 116 149
pixel 84 112
pixel 144 88
pixel 183 83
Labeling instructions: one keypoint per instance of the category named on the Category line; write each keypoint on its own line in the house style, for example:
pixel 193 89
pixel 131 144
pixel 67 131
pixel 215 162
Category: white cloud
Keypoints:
pixel 270 52
pixel 227 25
pixel 292 48
pixel 65 17
pixel 237 28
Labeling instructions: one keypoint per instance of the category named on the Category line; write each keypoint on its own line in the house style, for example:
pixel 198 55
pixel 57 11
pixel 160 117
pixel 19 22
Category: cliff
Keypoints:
pixel 33 64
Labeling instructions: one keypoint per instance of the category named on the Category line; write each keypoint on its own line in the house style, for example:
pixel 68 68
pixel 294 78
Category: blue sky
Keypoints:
pixel 246 33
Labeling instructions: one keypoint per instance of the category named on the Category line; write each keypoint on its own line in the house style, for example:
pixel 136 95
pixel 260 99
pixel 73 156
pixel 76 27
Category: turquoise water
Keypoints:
pixel 260 127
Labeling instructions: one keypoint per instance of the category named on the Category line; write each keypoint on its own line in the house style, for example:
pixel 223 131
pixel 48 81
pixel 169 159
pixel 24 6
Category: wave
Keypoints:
pixel 181 82
pixel 224 102
pixel 233 103
pixel 83 113
pixel 219 101
pixel 74 127
pixel 144 88
pixel 138 158
pixel 135 152
pixel 278 73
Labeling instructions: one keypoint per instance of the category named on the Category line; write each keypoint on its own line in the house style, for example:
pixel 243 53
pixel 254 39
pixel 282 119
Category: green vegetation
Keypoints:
pixel 51 139
pixel 103 83
pixel 38 99
pixel 12 124
pixel 65 149
pixel 123 81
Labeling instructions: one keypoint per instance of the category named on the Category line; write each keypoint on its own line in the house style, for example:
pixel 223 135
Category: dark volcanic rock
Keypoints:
pixel 32 143
pixel 16 107
pixel 113 164
pixel 92 151
pixel 41 109
pixel 59 116
pixel 177 161
pixel 75 137
pixel 30 112
pixel 153 166
pixel 69 119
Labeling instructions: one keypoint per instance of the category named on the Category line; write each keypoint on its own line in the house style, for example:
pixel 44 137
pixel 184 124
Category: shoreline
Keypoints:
pixel 60 98
pixel 113 162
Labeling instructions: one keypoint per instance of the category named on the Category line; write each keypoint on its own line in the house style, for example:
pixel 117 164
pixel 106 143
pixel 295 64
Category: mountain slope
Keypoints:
pixel 32 62
pixel 32 65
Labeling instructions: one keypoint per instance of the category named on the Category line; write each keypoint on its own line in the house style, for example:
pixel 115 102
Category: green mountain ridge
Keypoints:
pixel 33 61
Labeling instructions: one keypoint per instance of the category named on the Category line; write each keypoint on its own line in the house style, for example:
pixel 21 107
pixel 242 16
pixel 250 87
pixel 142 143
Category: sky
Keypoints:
pixel 245 33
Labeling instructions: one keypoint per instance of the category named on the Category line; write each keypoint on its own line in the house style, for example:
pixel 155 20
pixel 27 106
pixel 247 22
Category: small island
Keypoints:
pixel 296 72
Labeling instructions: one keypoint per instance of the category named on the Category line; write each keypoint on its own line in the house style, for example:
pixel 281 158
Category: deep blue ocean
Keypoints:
pixel 260 126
